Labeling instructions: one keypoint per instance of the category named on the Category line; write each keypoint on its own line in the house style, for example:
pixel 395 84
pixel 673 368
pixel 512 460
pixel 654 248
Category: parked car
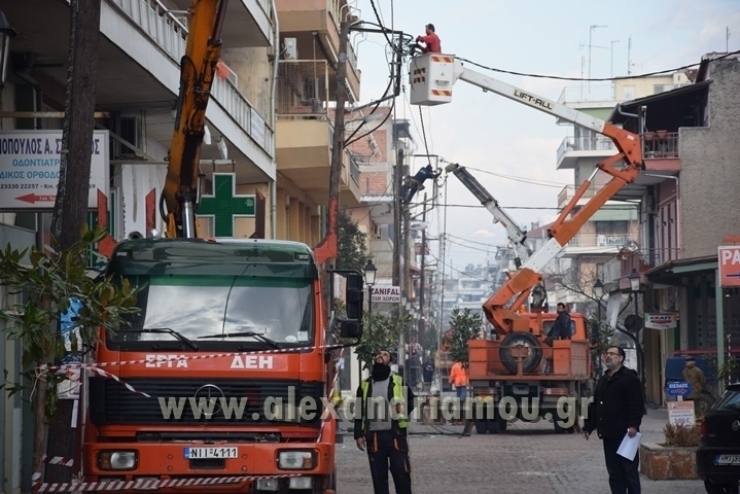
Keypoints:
pixel 718 456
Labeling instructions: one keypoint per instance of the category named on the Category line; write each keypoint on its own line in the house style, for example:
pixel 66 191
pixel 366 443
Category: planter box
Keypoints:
pixel 667 463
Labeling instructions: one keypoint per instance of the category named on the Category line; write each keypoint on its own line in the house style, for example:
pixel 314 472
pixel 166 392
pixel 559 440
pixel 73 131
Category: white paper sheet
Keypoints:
pixel 629 446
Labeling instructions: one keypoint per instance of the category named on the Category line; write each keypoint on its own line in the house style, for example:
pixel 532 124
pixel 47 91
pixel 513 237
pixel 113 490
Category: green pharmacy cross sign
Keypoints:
pixel 225 205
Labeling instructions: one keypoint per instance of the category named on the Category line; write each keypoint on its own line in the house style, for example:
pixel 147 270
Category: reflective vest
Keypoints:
pixel 397 388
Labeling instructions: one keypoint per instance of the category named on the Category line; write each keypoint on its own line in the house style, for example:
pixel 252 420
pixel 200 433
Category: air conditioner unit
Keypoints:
pixel 290 52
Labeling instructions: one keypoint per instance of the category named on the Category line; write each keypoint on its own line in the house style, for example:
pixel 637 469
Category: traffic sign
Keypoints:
pixel 729 266
pixel 678 388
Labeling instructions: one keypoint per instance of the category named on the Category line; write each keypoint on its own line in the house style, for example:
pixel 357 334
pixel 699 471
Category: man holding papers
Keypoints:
pixel 616 414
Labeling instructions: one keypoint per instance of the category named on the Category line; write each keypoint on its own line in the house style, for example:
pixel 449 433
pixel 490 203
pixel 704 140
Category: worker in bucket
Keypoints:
pixel 431 40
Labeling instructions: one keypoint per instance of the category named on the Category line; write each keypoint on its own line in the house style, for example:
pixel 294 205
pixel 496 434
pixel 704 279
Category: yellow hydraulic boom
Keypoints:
pixel 181 192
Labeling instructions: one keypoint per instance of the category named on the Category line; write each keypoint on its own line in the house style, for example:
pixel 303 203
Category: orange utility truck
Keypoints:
pixel 519 373
pixel 222 382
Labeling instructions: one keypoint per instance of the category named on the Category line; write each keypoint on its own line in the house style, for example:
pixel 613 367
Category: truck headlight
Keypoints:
pixel 300 483
pixel 295 460
pixel 268 485
pixel 117 460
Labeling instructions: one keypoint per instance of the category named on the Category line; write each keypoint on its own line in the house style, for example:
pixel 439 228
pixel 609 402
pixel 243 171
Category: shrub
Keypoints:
pixel 681 436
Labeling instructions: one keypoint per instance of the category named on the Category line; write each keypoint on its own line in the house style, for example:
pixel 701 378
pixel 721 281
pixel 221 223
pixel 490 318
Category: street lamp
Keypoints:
pixel 634 278
pixel 370 271
pixel 598 293
pixel 6 32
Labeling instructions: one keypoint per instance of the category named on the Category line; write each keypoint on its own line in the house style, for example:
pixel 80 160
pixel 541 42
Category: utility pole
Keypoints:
pixel 327 249
pixel 70 209
pixel 422 288
pixel 397 218
pixel 406 291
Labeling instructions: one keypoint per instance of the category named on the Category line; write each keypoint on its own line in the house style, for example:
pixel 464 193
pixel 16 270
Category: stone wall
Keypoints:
pixel 667 463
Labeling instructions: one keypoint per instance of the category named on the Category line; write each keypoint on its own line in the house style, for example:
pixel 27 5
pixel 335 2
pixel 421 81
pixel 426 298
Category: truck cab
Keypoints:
pixel 222 374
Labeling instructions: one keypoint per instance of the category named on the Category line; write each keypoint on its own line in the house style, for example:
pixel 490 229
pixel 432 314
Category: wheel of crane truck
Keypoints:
pixel 497 425
pixel 481 426
pixel 520 338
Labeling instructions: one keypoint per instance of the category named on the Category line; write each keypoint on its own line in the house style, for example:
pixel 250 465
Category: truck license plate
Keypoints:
pixel 204 453
pixel 727 460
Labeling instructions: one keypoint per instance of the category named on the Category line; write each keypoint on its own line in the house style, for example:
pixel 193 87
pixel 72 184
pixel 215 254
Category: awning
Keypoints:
pixel 671 272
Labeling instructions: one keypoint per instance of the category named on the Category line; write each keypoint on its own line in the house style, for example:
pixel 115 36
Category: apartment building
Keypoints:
pixel 687 195
pixel 305 101
pixel 616 225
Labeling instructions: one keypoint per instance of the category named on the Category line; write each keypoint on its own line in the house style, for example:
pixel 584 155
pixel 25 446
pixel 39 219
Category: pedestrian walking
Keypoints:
pixel 384 405
pixel 459 378
pixel 616 411
pixel 695 377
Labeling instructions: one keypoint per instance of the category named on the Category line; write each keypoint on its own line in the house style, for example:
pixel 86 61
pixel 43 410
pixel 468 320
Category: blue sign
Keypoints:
pixel 68 325
pixel 678 388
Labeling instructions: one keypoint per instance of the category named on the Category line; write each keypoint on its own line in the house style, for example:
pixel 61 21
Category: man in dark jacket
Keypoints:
pixel 384 404
pixel 616 411
pixel 560 330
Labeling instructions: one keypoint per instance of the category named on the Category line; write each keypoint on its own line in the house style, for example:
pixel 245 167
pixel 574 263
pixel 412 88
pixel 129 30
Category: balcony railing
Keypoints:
pixel 586 93
pixel 170 34
pixel 660 145
pixel 585 144
pixel 303 89
pixel 335 8
pixel 570 190
pixel 606 240
pixel 354 170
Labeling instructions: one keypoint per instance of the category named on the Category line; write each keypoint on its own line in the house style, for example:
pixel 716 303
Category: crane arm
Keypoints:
pixel 515 234
pixel 432 77
pixel 197 70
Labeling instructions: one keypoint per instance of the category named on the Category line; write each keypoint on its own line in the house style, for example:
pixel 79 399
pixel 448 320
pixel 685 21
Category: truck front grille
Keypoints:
pixel 113 404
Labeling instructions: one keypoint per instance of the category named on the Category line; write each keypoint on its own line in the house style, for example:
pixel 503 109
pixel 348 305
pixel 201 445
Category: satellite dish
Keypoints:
pixel 633 323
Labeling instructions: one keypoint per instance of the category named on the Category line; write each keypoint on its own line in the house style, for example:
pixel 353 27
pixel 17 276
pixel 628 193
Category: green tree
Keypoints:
pixel 380 332
pixel 352 244
pixel 41 288
pixel 465 326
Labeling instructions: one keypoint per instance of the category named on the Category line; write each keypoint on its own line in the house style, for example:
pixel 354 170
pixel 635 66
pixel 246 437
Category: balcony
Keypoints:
pixel 140 47
pixel 569 191
pixel 574 148
pixel 587 94
pixel 305 132
pixel 598 244
pixel 315 26
pixel 247 22
pixel 169 34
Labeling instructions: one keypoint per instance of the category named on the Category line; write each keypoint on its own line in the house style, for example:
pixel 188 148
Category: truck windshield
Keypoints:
pixel 280 309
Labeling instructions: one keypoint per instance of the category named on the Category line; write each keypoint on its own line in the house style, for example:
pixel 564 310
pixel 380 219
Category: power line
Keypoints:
pixel 536 208
pixel 602 79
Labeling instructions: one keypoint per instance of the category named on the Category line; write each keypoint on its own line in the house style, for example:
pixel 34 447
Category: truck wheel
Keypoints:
pixel 493 426
pixel 481 426
pixel 520 338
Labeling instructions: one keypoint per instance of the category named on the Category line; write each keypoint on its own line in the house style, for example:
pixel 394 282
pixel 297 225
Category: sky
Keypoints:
pixel 488 133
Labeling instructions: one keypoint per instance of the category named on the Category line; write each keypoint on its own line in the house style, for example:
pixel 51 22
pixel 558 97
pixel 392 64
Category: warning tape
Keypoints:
pixel 65 367
pixel 58 460
pixel 142 484
pixel 96 367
